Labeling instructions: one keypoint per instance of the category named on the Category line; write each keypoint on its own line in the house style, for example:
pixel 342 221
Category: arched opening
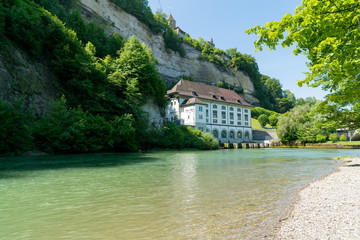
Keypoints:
pixel 232 134
pixel 223 134
pixel 239 134
pixel 246 135
pixel 216 133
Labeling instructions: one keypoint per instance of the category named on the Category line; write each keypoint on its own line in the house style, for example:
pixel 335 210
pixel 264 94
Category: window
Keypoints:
pixel 207 120
pixel 232 122
pixel 239 109
pixel 223 114
pixel 207 130
pixel 207 113
pixel 172 103
pixel 223 134
pixel 232 134
pixel 222 98
pixel 200 116
pixel 239 116
pixel 214 114
pixel 194 93
pixel 215 97
pixel 214 120
pixel 188 116
pixel 246 110
pixel 223 121
pixel 239 134
pixel 231 109
pixel 231 115
pixel 246 135
pixel 223 108
pixel 214 106
pixel 200 108
pixel 239 123
pixel 201 129
pixel 246 124
pixel 216 133
pixel 246 117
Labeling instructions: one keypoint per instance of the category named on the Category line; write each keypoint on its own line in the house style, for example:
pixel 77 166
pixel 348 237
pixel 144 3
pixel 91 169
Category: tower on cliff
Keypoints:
pixel 171 21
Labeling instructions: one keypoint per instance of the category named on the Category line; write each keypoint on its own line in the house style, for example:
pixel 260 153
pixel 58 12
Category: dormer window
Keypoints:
pixel 215 97
pixel 194 93
pixel 239 101
pixel 222 98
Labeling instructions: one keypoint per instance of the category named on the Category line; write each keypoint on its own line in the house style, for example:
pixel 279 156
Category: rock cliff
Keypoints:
pixel 170 64
pixel 22 76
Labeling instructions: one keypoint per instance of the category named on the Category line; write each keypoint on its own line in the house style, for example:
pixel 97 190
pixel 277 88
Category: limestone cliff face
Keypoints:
pixel 170 64
pixel 21 76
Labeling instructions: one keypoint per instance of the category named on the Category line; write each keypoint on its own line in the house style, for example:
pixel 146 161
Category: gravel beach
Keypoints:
pixel 328 208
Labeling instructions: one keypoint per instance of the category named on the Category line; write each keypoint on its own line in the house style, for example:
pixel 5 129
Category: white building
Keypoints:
pixel 210 109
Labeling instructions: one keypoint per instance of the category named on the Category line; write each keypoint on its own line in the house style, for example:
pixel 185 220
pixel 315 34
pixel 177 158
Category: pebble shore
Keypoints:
pixel 328 208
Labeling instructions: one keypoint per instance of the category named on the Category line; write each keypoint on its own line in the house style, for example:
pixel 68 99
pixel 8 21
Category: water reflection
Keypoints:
pixel 238 194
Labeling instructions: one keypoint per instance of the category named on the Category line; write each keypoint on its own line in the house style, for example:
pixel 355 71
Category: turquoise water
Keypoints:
pixel 225 194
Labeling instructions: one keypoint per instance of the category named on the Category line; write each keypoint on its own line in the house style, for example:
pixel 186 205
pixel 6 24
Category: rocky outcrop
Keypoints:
pixel 170 64
pixel 22 76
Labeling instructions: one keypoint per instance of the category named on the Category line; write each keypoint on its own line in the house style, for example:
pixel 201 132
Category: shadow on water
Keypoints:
pixel 12 167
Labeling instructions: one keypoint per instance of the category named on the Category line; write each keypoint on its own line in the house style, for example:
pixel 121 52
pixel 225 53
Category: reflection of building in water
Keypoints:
pixel 184 179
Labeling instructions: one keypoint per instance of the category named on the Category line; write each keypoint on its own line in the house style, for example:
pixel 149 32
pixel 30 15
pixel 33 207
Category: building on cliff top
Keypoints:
pixel 172 24
pixel 210 109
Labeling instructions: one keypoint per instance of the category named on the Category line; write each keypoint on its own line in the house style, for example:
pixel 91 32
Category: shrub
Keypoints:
pixel 15 134
pixel 68 130
pixel 263 120
pixel 333 137
pixel 320 138
pixel 343 138
pixel 273 120
pixel 257 111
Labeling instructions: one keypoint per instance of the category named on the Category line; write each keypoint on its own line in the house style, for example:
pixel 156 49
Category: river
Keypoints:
pixel 224 194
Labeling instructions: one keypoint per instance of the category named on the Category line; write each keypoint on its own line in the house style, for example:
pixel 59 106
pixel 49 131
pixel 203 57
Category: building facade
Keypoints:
pixel 210 109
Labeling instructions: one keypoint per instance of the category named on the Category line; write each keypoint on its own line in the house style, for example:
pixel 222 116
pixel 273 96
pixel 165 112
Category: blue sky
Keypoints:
pixel 226 21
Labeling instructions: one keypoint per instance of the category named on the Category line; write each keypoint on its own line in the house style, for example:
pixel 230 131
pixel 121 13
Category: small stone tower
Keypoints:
pixel 171 21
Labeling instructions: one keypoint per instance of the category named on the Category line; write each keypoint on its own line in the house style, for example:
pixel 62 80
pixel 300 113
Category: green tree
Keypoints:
pixel 343 137
pixel 15 131
pixel 291 123
pixel 320 138
pixel 327 32
pixel 273 120
pixel 333 137
pixel 137 62
pixel 263 120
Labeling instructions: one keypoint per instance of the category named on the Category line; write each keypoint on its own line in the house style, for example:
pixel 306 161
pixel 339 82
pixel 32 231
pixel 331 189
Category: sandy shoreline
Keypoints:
pixel 328 208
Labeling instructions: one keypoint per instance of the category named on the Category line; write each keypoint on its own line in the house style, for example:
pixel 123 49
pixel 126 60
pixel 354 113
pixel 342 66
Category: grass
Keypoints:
pixel 345 142
pixel 256 126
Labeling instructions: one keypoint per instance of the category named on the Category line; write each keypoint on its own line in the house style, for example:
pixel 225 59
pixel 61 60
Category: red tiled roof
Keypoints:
pixel 192 101
pixel 203 91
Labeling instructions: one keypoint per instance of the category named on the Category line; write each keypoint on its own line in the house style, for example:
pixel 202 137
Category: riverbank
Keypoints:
pixel 328 208
pixel 355 145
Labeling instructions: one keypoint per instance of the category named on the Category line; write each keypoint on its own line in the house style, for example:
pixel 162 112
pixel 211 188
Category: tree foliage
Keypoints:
pixel 263 120
pixel 328 34
pixel 15 132
pixel 273 120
